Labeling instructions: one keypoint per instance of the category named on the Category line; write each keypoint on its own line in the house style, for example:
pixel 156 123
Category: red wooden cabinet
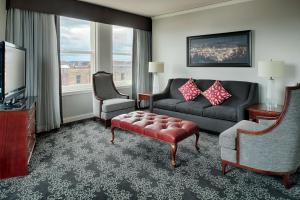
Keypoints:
pixel 17 139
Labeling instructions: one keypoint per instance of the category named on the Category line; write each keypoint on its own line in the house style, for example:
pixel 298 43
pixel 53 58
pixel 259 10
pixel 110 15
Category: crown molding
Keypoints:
pixel 212 6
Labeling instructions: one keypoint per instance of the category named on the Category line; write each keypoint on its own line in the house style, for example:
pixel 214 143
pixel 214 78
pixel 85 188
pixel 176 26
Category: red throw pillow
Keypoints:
pixel 189 90
pixel 216 94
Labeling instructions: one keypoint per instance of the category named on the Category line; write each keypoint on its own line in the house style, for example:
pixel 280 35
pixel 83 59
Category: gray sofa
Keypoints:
pixel 210 118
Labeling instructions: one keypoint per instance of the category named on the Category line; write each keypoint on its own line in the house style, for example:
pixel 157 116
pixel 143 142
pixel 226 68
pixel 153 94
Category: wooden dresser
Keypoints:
pixel 17 139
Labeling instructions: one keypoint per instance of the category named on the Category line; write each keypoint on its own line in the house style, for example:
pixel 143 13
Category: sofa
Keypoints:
pixel 209 118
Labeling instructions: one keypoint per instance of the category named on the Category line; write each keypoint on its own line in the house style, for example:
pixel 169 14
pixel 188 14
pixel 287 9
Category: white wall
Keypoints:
pixel 276 35
pixel 2 19
pixel 77 106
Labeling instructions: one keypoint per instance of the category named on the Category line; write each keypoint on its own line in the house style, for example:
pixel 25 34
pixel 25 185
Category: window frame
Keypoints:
pixel 82 88
pixel 121 53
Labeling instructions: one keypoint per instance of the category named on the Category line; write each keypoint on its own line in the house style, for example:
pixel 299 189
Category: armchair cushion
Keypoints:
pixel 115 104
pixel 227 139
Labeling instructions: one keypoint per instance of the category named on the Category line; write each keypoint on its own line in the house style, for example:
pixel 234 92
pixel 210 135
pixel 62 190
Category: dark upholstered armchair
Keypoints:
pixel 272 150
pixel 112 102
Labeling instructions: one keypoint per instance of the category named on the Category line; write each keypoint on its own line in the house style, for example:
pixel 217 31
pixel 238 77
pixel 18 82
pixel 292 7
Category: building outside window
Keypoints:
pixel 77 53
pixel 122 56
pixel 78 79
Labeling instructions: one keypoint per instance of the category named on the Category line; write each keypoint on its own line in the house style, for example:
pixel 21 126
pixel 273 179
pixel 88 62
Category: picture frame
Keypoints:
pixel 232 49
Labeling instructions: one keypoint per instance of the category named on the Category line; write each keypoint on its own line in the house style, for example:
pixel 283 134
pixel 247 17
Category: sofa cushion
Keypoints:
pixel 167 104
pixel 115 104
pixel 189 90
pixel 227 139
pixel 192 107
pixel 216 94
pixel 221 112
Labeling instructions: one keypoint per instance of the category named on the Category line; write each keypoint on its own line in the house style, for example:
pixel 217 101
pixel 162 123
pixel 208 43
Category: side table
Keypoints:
pixel 262 111
pixel 143 97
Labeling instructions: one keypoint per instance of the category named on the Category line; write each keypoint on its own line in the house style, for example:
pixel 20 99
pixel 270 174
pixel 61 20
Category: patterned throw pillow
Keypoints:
pixel 189 90
pixel 216 94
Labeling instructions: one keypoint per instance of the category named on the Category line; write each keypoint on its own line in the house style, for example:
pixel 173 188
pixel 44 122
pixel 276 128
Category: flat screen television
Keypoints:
pixel 12 72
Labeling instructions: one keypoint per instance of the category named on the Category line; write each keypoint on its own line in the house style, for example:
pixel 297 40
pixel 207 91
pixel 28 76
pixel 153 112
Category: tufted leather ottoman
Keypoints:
pixel 161 127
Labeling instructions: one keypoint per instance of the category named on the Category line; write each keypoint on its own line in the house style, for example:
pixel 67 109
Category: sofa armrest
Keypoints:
pixel 163 95
pixel 251 100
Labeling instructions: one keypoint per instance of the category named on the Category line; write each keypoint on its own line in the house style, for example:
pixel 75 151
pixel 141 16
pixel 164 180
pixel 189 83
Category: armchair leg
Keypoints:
pixel 286 181
pixel 196 143
pixel 224 165
pixel 107 123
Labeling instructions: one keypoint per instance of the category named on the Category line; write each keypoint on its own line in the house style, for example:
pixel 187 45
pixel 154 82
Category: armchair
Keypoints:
pixel 270 150
pixel 112 102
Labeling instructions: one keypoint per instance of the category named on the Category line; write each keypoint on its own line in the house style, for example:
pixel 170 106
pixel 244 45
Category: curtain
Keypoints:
pixel 36 32
pixel 141 78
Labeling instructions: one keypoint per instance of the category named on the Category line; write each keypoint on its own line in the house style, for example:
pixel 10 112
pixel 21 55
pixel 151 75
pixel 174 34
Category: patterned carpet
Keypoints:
pixel 78 162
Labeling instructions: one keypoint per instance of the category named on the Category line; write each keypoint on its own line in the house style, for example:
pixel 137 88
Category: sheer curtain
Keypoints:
pixel 141 78
pixel 37 33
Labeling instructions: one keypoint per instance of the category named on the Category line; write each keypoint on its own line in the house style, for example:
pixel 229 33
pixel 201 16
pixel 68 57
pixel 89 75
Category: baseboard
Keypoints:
pixel 78 117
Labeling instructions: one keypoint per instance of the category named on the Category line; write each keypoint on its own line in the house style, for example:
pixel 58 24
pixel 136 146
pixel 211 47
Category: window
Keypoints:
pixel 78 78
pixel 122 55
pixel 77 53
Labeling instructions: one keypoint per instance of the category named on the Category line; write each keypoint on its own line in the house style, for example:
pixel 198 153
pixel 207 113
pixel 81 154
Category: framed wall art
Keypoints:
pixel 220 50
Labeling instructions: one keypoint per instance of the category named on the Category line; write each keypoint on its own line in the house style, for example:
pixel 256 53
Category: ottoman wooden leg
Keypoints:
pixel 112 134
pixel 197 138
pixel 224 165
pixel 174 150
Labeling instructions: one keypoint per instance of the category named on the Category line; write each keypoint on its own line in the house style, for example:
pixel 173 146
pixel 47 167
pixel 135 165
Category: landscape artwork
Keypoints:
pixel 220 50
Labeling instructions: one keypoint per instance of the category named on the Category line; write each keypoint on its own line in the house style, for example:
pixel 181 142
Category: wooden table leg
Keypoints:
pixel 196 143
pixel 173 154
pixel 112 134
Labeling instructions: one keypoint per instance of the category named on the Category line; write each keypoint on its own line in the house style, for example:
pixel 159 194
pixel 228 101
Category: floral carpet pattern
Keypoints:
pixel 79 162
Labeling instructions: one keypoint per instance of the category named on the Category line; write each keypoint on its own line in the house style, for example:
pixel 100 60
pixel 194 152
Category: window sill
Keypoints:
pixel 77 91
pixel 124 87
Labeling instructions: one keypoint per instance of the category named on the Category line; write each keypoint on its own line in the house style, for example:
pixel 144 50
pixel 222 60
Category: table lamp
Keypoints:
pixel 270 69
pixel 155 68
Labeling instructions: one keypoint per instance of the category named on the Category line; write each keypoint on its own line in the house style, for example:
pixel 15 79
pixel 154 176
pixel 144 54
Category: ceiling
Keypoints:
pixel 152 8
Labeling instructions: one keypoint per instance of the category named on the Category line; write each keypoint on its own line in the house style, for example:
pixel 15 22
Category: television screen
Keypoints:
pixel 14 69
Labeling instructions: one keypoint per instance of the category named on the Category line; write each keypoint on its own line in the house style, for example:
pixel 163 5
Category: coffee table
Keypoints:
pixel 160 127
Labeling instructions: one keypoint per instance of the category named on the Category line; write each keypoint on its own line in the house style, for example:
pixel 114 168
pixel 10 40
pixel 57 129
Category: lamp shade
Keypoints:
pixel 156 67
pixel 270 68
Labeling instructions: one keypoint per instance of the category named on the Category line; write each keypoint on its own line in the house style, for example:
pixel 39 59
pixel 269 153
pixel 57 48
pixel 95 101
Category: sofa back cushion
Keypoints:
pixel 238 89
pixel 177 83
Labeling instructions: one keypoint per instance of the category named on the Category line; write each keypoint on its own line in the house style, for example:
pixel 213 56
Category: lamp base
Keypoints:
pixel 155 88
pixel 271 103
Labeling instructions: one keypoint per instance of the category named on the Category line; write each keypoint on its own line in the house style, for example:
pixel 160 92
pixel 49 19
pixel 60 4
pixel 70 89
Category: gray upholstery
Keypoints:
pixel 227 139
pixel 111 105
pixel 278 150
pixel 110 115
pixel 104 86
pixel 232 110
pixel 221 112
pixel 191 107
pixel 168 104
pixel 205 123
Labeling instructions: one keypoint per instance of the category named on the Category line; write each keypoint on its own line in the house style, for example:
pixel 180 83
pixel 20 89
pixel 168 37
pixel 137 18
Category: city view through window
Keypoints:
pixel 77 52
pixel 122 55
